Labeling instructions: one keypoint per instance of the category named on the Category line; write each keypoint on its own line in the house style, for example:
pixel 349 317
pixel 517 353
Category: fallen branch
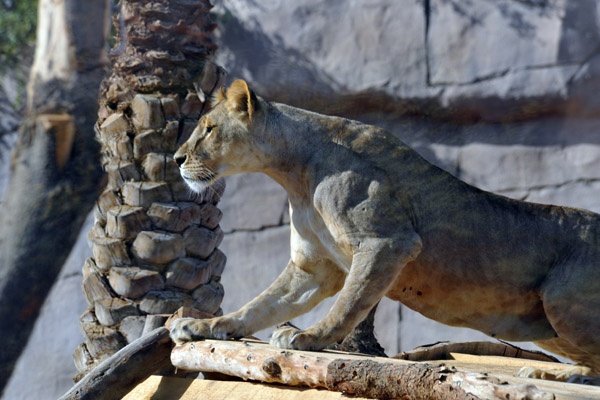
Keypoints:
pixel 351 374
pixel 442 350
pixel 116 376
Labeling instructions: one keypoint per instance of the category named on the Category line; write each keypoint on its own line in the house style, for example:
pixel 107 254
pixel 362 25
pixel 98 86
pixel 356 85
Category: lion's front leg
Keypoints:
pixel 296 291
pixel 375 267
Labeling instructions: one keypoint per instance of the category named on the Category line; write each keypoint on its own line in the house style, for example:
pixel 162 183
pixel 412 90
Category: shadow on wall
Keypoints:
pixel 558 80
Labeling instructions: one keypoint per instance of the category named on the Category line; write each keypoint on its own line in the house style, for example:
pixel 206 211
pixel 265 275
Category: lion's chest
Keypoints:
pixel 312 239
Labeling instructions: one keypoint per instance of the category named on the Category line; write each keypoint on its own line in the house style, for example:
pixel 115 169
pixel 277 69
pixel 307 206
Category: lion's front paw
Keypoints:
pixel 288 337
pixel 189 329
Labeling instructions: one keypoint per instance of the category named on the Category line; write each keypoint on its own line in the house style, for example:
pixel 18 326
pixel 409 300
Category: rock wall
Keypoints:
pixel 501 93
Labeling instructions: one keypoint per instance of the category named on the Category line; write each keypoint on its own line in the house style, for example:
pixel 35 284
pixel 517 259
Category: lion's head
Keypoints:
pixel 222 144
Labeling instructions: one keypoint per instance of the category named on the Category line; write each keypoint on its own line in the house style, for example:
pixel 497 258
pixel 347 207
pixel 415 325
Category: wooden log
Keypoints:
pixel 443 350
pixel 188 273
pixel 158 247
pixel 116 376
pixel 143 194
pixel 126 222
pixel 134 282
pixel 372 377
pixel 201 242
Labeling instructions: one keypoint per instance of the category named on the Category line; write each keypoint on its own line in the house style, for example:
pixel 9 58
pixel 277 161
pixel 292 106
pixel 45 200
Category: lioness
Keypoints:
pixel 371 218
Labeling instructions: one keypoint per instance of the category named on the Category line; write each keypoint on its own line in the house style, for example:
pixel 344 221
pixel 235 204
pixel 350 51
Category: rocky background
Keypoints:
pixel 501 93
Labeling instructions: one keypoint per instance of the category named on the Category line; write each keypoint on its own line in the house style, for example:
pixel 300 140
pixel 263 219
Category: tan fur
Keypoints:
pixel 371 218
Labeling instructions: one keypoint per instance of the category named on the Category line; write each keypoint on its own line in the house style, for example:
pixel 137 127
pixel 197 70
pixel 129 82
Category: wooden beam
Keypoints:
pixel 372 377
pixel 118 375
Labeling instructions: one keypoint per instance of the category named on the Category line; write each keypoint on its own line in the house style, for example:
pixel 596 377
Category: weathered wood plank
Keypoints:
pixel 118 375
pixel 168 388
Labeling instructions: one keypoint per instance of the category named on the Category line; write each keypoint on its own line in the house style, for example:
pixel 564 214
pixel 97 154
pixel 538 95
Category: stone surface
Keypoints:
pixel 249 208
pixel 134 282
pixel 188 273
pixel 544 58
pixel 158 247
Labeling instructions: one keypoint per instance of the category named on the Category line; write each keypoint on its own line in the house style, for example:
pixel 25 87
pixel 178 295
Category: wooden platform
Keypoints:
pixel 164 388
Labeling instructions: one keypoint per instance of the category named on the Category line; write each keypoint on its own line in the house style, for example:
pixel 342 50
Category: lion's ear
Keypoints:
pixel 241 99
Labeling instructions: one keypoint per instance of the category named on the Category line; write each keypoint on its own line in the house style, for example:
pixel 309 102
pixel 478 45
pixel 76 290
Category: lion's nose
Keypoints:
pixel 180 160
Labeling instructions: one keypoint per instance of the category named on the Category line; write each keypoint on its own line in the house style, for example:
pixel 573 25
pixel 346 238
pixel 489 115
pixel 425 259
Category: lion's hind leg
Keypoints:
pixel 579 373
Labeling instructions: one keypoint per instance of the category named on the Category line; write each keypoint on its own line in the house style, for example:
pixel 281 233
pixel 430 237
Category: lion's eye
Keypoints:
pixel 209 130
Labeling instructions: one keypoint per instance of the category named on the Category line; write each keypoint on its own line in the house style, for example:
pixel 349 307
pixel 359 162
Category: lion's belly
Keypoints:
pixel 491 307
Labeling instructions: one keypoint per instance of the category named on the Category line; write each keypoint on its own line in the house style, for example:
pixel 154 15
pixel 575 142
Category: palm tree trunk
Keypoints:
pixel 154 242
